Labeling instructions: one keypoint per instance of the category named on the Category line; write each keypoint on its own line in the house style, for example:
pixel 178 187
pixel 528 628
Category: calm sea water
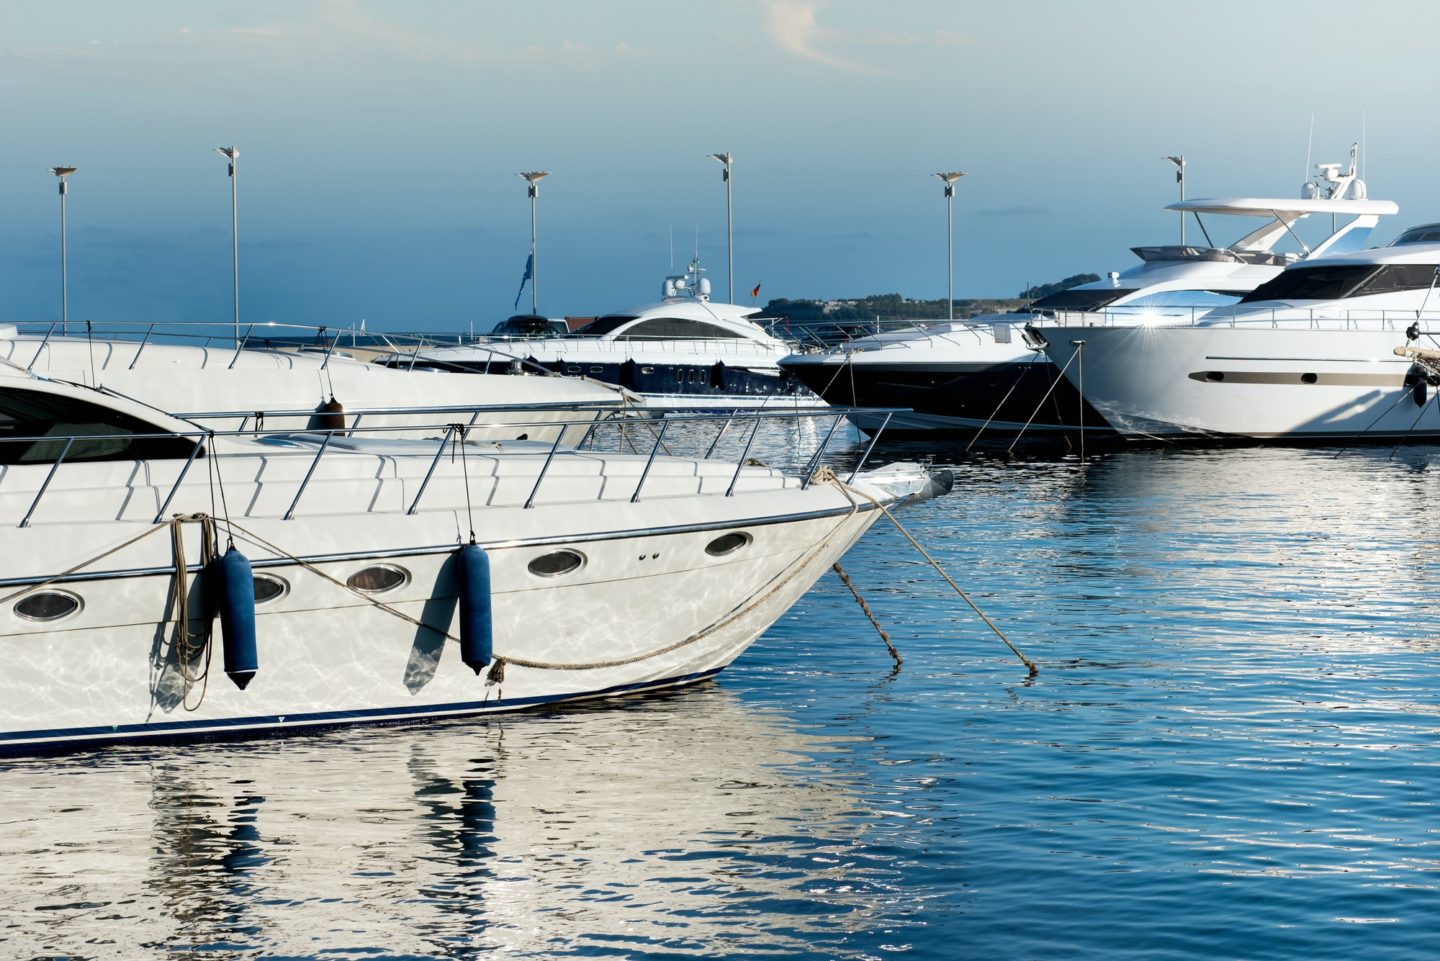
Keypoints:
pixel 1229 752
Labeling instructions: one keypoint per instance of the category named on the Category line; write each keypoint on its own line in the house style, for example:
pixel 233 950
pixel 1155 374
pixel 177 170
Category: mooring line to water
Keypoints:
pixel 845 579
pixel 949 580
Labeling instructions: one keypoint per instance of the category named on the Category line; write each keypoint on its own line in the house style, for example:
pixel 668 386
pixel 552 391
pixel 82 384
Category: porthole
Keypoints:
pixel 1309 378
pixel 48 605
pixel 268 587
pixel 378 578
pixel 1215 376
pixel 727 543
pixel 556 563
pixel 597 369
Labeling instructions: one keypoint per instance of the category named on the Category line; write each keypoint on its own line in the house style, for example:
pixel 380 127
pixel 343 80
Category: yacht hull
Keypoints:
pixel 1270 383
pixel 1002 395
pixel 328 656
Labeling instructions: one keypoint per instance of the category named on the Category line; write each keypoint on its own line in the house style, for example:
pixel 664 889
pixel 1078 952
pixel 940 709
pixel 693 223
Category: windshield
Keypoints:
pixel 603 325
pixel 1082 298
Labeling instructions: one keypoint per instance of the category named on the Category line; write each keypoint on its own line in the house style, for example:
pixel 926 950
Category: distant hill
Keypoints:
pixel 886 307
pixel 1045 290
pixel 880 307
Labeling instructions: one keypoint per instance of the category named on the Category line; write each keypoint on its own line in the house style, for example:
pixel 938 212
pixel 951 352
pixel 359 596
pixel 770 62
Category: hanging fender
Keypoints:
pixel 472 583
pixel 234 593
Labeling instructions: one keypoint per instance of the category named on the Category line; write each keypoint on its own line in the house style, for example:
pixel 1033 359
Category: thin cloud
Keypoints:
pixel 793 25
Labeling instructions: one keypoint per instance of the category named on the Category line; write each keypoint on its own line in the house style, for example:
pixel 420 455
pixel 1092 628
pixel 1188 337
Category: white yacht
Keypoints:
pixel 175 369
pixel 686 352
pixel 982 374
pixel 371 579
pixel 1309 355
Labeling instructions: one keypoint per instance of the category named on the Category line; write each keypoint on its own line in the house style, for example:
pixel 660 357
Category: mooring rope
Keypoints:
pixel 949 580
pixel 182 643
pixel 874 622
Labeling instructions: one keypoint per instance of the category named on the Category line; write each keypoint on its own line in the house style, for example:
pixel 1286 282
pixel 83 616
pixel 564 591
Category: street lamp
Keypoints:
pixel 533 177
pixel 950 177
pixel 727 160
pixel 1179 162
pixel 232 153
pixel 62 173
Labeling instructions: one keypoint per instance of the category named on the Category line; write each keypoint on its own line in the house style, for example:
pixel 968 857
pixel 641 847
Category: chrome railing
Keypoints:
pixel 452 433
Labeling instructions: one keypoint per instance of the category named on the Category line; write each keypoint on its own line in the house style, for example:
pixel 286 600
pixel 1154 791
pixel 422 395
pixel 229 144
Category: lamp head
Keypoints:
pixel 1177 161
pixel 62 171
pixel 951 176
pixel 535 175
pixel 230 152
pixel 724 158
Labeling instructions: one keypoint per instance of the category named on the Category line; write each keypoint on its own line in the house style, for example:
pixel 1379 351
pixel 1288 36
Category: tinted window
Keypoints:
pixel 667 327
pixel 1428 234
pixel 603 325
pixel 1396 277
pixel 32 415
pixel 1311 283
pixel 1077 298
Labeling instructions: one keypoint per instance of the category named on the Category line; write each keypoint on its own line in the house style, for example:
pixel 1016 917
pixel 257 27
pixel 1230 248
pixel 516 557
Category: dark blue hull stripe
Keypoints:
pixel 23 742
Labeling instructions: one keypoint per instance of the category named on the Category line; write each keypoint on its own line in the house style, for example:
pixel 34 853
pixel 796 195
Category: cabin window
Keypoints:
pixel 727 543
pixel 378 578
pixel 268 587
pixel 1424 234
pixel 1393 278
pixel 34 426
pixel 664 328
pixel 1312 283
pixel 48 605
pixel 556 563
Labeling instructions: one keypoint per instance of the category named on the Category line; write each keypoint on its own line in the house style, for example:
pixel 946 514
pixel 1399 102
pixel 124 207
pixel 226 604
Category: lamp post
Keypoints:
pixel 727 160
pixel 232 153
pixel 950 177
pixel 62 173
pixel 1179 162
pixel 533 177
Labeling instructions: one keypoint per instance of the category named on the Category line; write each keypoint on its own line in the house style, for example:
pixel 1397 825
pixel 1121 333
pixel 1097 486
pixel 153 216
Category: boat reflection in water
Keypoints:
pixel 538 834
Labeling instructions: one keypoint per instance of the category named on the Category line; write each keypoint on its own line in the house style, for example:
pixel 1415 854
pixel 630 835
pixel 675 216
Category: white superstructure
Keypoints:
pixel 1310 355
pixel 983 372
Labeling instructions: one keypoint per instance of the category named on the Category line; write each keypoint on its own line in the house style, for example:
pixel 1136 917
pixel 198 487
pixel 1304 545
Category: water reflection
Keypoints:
pixel 664 825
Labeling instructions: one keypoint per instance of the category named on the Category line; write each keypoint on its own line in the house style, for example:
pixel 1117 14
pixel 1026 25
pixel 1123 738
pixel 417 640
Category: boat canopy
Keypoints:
pixel 1278 207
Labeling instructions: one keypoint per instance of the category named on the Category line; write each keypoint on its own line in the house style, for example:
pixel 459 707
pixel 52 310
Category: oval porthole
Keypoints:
pixel 727 543
pixel 48 605
pixel 1309 378
pixel 1215 376
pixel 556 563
pixel 378 578
pixel 268 587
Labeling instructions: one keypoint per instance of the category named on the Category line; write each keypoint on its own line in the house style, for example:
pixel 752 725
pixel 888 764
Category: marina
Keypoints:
pixel 869 530
pixel 1224 754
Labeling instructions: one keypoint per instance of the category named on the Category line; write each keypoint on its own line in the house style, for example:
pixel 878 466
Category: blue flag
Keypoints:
pixel 529 274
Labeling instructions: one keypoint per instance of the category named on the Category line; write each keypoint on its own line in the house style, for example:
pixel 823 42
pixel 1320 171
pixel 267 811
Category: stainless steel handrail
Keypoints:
pixel 205 446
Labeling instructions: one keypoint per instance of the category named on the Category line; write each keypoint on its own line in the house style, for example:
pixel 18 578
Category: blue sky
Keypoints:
pixel 380 141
